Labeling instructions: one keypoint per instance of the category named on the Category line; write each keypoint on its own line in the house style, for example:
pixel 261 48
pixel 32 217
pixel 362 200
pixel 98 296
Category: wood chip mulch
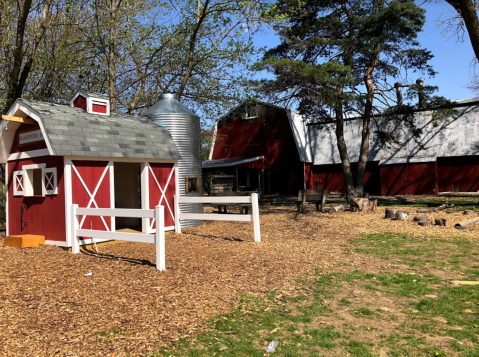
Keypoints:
pixel 49 307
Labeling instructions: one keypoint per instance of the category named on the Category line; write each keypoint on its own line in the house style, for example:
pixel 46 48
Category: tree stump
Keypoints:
pixel 390 212
pixel 440 222
pixel 359 204
pixel 420 218
pixel 400 216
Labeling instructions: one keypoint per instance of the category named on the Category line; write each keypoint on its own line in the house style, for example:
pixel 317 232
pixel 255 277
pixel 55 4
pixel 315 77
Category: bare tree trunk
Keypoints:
pixel 468 12
pixel 17 55
pixel 343 154
pixel 39 33
pixel 200 16
pixel 366 132
pixel 111 57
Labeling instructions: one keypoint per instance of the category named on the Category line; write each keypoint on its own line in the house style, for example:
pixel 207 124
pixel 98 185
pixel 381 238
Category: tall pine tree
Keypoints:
pixel 341 58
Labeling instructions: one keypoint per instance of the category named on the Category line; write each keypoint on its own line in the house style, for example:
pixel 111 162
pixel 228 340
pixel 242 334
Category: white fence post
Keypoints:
pixel 74 228
pixel 177 214
pixel 255 213
pixel 160 237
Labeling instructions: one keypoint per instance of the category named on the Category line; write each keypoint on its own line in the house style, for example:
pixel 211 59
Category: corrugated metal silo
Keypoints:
pixel 184 127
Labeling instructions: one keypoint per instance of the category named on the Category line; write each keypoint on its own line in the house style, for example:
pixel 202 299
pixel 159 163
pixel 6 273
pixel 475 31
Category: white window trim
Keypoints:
pixel 28 178
pixel 17 192
pixel 53 181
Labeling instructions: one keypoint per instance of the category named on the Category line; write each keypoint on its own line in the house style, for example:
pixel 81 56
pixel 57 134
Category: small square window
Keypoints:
pixel 192 184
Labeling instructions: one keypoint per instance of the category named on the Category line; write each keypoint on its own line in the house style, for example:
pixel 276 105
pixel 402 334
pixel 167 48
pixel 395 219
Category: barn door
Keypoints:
pixel 161 190
pixel 92 188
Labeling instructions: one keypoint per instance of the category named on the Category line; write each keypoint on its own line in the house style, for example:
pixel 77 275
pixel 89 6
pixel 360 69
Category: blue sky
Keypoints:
pixel 452 59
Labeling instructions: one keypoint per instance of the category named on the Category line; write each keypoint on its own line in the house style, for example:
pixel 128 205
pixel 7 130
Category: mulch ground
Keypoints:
pixel 49 307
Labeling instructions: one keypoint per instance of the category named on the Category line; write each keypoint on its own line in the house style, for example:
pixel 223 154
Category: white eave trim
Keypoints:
pixel 213 142
pixel 406 160
pixel 28 154
pixel 118 159
pixel 18 105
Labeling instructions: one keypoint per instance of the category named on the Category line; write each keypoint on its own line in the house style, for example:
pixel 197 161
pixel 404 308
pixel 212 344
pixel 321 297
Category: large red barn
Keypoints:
pixel 273 150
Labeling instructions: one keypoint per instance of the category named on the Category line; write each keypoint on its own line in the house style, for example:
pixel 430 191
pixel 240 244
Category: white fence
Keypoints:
pixel 223 200
pixel 159 215
pixel 158 239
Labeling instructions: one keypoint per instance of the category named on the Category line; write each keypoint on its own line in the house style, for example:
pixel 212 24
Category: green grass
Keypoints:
pixel 330 319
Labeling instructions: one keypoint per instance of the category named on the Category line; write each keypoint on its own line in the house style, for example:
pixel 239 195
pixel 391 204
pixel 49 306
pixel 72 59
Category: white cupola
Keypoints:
pixel 91 102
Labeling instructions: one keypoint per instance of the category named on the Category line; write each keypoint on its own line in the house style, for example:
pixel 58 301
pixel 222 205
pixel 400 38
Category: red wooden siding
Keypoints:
pixel 330 177
pixel 28 147
pixel 458 174
pixel 409 179
pixel 91 173
pixel 162 174
pixel 44 215
pixel 269 136
pixel 96 108
pixel 80 102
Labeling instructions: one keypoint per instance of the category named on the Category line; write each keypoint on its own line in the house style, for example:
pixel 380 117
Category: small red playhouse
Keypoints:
pixel 57 155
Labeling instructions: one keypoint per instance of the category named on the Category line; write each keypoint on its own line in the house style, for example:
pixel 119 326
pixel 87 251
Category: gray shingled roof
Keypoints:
pixel 74 132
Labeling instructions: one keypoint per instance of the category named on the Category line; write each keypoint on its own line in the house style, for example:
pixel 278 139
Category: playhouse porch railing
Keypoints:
pixel 253 217
pixel 158 239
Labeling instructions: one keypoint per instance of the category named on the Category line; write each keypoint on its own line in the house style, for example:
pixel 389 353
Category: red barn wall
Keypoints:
pixel 409 179
pixel 330 177
pixel 269 136
pixel 80 102
pixel 458 174
pixel 16 148
pixel 44 215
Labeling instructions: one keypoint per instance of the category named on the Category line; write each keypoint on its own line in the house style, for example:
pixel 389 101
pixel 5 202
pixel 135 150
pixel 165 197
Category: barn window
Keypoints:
pixel 50 181
pixel 251 112
pixel 35 180
pixel 18 183
pixel 192 184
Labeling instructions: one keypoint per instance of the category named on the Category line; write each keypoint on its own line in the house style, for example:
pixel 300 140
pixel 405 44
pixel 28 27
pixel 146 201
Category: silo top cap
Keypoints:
pixel 169 96
pixel 168 104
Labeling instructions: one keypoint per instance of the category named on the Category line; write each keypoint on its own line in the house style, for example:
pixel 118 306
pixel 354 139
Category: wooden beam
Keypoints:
pixel 18 119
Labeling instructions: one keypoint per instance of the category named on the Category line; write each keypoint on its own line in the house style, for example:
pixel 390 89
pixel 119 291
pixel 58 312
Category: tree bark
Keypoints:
pixel 39 33
pixel 343 154
pixel 366 132
pixel 468 12
pixel 111 56
pixel 18 54
pixel 200 17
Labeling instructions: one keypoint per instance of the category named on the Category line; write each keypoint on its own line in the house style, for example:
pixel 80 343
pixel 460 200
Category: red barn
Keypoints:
pixel 263 147
pixel 272 149
pixel 57 155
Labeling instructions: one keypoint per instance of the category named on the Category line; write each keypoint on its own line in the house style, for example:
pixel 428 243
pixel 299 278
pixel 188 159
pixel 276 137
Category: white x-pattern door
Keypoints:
pixel 162 188
pixel 91 189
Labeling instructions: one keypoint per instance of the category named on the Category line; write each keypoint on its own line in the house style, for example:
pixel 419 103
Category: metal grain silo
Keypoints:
pixel 184 127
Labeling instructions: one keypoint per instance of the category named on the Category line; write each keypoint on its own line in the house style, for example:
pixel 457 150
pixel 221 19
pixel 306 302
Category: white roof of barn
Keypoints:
pixel 300 133
pixel 457 135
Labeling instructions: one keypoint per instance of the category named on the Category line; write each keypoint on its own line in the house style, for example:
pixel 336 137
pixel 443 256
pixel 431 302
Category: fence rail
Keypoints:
pixel 158 239
pixel 253 217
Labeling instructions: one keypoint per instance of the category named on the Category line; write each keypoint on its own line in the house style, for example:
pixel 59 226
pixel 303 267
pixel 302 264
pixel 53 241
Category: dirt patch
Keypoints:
pixel 127 307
